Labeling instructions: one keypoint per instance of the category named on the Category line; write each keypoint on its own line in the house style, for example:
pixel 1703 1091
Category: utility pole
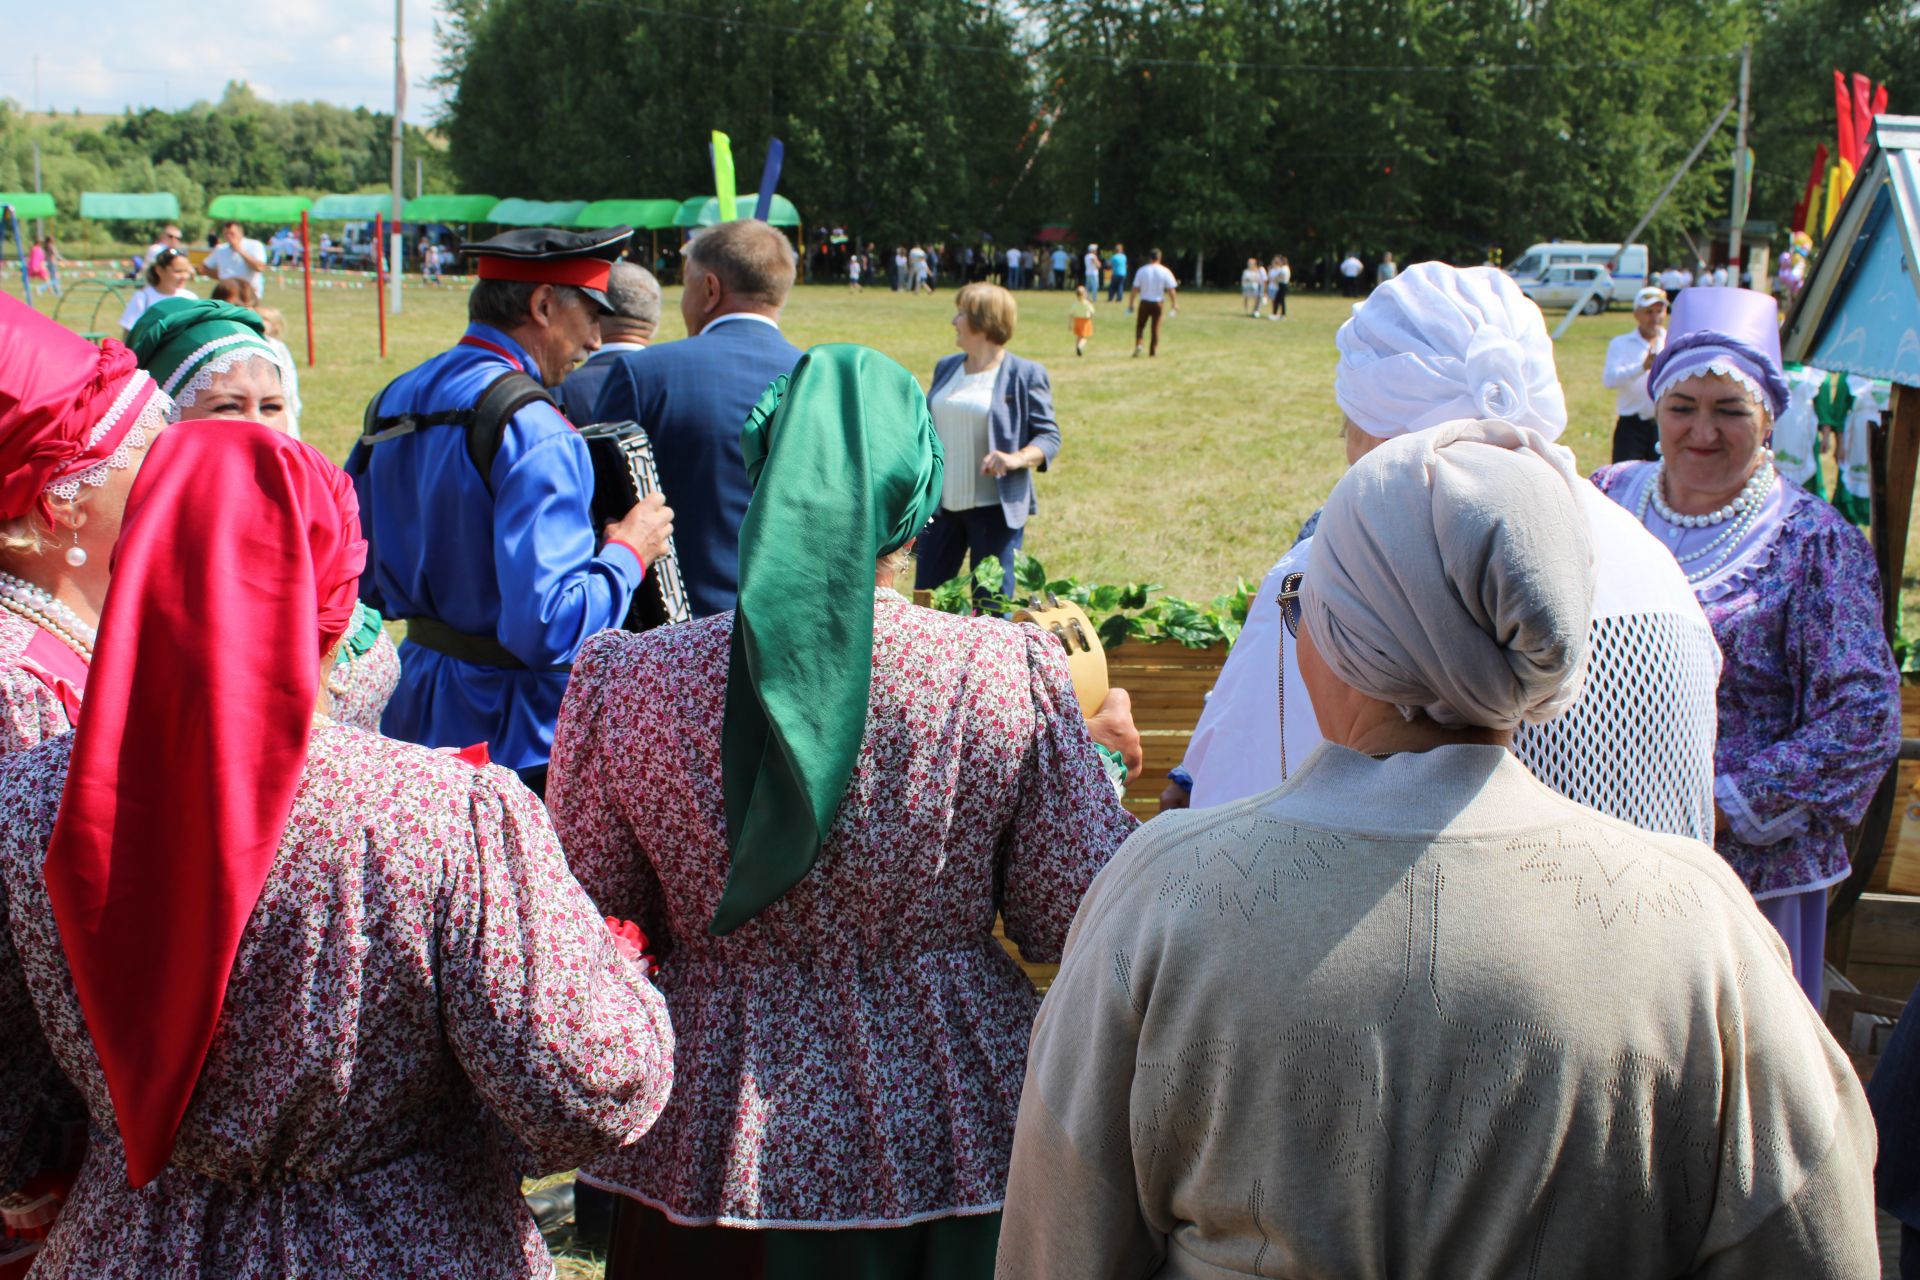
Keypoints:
pixel 398 256
pixel 40 224
pixel 419 176
pixel 1737 224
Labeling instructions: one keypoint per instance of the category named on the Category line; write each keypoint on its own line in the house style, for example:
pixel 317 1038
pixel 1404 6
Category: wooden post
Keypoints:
pixel 1896 454
pixel 380 283
pixel 306 272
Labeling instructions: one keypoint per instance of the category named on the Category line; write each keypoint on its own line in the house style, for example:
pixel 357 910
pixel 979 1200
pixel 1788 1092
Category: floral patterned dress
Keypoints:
pixel 30 711
pixel 369 681
pixel 852 1056
pixel 424 1007
pixel 1809 697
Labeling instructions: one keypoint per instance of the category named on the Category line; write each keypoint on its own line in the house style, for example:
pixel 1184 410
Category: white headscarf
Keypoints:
pixel 1452 573
pixel 1439 344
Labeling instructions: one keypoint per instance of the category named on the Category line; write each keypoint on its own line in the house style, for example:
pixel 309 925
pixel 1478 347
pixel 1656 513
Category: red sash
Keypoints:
pixel 49 660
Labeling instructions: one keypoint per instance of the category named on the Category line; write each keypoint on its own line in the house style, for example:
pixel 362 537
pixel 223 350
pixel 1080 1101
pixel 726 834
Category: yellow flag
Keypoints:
pixel 1839 178
pixel 723 176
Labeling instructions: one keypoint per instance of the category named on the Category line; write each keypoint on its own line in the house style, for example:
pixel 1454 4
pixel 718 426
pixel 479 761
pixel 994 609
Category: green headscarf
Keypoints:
pixel 183 342
pixel 845 468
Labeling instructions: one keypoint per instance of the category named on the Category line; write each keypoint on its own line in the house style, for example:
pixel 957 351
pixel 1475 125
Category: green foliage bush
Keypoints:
pixel 1119 612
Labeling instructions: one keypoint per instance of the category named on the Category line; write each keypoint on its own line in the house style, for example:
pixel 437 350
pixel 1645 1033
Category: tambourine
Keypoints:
pixel 1086 659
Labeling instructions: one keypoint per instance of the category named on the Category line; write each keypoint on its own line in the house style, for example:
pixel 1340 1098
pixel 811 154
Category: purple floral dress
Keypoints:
pixel 424 1007
pixel 853 1055
pixel 29 710
pixel 1809 697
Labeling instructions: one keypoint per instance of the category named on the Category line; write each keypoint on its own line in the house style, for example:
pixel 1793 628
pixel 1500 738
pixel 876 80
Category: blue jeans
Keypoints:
pixel 965 535
pixel 1116 287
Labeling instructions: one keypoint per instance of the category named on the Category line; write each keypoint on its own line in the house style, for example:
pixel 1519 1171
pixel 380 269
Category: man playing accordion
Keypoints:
pixel 476 492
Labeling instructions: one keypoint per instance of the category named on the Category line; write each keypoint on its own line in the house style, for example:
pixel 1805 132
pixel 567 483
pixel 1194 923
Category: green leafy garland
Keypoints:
pixel 1135 611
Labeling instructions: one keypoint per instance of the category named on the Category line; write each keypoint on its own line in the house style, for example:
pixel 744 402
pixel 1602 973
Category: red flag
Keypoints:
pixel 1813 185
pixel 1862 117
pixel 1843 108
pixel 1880 99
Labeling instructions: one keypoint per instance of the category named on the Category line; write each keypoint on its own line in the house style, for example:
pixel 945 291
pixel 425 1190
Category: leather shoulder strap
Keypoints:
pixel 505 396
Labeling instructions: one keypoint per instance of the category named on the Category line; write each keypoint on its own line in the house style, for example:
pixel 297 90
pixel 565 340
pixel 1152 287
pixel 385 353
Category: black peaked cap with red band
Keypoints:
pixel 548 255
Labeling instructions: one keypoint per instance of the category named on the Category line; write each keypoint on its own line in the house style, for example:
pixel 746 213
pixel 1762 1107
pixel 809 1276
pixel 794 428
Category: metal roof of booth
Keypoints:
pixel 1859 311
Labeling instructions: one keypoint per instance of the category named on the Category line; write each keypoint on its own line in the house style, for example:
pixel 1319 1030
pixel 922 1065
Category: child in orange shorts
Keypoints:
pixel 1082 319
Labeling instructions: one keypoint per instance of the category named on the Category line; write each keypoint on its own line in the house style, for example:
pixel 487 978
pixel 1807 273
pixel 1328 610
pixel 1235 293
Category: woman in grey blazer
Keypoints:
pixel 993 411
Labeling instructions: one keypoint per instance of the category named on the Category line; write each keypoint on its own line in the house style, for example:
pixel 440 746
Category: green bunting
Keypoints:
pixel 845 468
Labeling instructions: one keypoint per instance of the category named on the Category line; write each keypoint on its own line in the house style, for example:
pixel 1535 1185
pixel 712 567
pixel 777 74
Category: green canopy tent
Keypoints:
pixel 259 208
pixel 129 206
pixel 650 216
pixel 704 211
pixel 644 215
pixel 448 207
pixel 29 204
pixel 536 213
pixel 23 205
pixel 361 207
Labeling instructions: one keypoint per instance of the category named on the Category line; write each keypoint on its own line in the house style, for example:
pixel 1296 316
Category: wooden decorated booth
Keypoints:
pixel 1859 314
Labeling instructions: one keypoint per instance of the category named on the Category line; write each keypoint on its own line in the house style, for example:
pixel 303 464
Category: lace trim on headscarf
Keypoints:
pixel 157 412
pixel 200 352
pixel 1681 370
pixel 223 363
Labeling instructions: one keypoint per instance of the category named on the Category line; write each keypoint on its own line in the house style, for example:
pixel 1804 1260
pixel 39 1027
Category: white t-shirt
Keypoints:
pixel 1252 279
pixel 853 267
pixel 1351 267
pixel 1013 259
pixel 145 297
pixel 231 265
pixel 1153 281
pixel 1092 264
pixel 1280 275
pixel 962 410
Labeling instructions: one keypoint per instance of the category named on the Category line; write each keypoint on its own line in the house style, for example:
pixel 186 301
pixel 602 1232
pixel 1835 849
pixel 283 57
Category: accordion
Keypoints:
pixel 624 473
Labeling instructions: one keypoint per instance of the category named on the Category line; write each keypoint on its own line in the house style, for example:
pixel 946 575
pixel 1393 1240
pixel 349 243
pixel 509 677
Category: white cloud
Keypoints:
pixel 103 55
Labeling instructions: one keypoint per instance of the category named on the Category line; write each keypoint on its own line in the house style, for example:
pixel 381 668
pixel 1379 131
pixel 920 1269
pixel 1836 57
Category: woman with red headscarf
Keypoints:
pixel 328 995
pixel 75 422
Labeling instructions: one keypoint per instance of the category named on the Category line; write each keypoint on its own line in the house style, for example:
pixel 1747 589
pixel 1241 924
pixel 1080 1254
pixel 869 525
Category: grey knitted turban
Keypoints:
pixel 1452 573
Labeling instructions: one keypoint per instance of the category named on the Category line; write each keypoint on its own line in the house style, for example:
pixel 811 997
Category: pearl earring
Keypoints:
pixel 76 554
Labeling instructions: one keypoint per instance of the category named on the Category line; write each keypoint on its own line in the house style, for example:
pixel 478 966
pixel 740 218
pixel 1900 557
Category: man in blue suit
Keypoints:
pixel 634 295
pixel 693 397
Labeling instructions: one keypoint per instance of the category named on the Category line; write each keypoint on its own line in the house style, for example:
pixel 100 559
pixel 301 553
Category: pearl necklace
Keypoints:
pixel 1739 516
pixel 38 606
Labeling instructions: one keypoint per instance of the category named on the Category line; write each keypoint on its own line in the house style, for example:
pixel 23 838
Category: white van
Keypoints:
pixel 1629 277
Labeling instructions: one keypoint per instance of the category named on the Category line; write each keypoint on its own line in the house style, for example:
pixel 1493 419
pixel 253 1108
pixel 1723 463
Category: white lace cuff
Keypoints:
pixel 1747 825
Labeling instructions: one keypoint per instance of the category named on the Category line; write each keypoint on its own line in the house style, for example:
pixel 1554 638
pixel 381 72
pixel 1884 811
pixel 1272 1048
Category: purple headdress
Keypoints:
pixel 1735 332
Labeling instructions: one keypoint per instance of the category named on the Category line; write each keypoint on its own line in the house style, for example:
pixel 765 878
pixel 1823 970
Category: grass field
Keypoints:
pixel 1192 469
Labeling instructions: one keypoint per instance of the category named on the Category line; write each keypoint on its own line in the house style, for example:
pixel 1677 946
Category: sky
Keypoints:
pixel 101 55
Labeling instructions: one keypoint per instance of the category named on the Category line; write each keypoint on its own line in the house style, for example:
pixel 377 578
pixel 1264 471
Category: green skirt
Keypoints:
pixel 646 1243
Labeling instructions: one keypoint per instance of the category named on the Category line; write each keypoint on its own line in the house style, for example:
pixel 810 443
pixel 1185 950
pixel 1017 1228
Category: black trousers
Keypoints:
pixel 1635 438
